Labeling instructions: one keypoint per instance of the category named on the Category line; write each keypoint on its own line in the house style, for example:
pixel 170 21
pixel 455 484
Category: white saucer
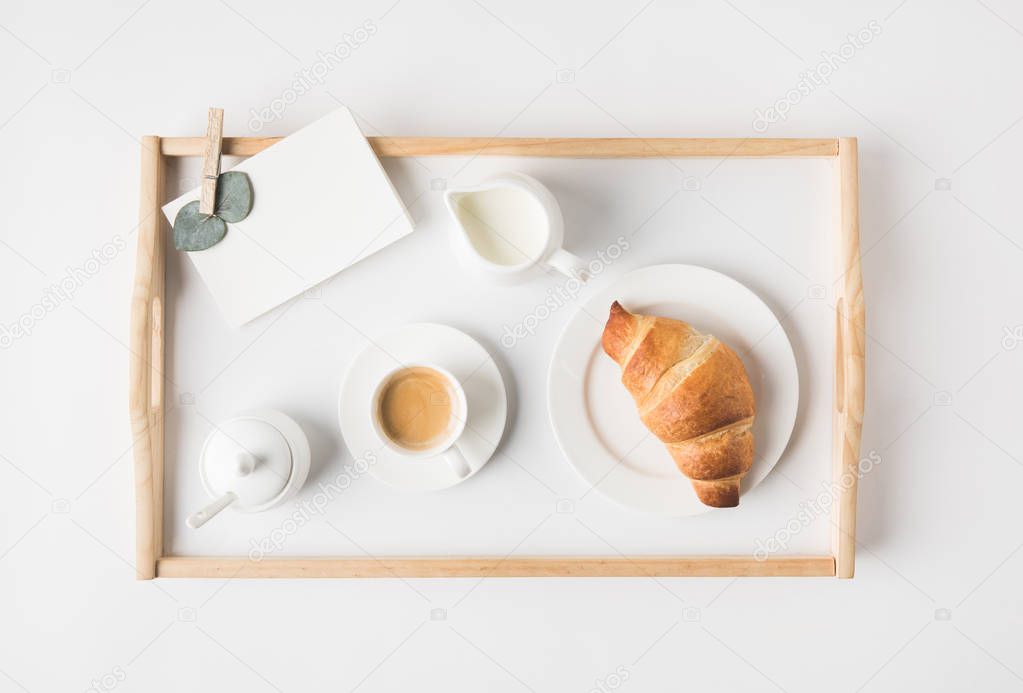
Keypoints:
pixel 450 349
pixel 595 420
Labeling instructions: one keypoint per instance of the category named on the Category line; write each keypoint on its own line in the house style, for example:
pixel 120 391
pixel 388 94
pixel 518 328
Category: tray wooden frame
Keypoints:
pixel 147 382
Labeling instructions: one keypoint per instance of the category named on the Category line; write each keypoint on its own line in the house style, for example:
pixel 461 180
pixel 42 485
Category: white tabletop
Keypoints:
pixel 930 92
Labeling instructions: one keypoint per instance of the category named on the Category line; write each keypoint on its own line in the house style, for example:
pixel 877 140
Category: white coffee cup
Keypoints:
pixel 447 446
pixel 508 226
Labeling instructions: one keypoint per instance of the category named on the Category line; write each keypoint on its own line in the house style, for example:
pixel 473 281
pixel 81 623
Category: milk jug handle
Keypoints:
pixel 568 264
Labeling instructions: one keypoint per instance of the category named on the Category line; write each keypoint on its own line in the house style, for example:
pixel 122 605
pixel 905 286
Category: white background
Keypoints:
pixel 932 98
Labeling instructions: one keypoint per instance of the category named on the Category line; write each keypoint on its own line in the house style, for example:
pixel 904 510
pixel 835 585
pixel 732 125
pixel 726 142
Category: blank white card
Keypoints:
pixel 321 202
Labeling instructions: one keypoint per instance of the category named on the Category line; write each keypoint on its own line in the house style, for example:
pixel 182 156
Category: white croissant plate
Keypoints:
pixel 595 420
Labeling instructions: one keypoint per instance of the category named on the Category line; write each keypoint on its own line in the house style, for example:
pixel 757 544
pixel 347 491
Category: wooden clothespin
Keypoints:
pixel 211 160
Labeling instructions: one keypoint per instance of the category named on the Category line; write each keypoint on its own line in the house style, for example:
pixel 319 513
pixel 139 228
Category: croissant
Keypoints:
pixel 692 393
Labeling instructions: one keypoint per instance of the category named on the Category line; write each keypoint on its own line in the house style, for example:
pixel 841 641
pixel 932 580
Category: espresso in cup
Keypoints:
pixel 419 411
pixel 416 408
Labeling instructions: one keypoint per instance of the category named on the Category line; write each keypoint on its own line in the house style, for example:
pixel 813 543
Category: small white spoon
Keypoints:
pixel 198 519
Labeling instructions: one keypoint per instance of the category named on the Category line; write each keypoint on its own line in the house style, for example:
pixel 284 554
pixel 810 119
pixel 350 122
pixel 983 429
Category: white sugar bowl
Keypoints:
pixel 252 462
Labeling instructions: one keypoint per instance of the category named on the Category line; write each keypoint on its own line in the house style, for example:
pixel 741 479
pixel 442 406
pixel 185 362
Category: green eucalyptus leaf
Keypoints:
pixel 234 196
pixel 195 231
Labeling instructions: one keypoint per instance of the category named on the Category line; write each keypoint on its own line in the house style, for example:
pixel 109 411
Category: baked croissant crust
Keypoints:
pixel 692 393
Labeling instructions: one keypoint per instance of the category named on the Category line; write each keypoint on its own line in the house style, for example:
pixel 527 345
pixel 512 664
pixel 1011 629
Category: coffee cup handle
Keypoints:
pixel 456 460
pixel 568 264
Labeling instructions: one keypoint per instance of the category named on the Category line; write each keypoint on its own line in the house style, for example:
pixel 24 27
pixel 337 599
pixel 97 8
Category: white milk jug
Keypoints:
pixel 510 224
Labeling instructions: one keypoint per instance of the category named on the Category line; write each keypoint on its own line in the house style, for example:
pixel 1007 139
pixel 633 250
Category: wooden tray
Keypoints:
pixel 147 381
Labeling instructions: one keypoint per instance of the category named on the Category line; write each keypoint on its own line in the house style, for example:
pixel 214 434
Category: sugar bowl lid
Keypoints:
pixel 249 457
